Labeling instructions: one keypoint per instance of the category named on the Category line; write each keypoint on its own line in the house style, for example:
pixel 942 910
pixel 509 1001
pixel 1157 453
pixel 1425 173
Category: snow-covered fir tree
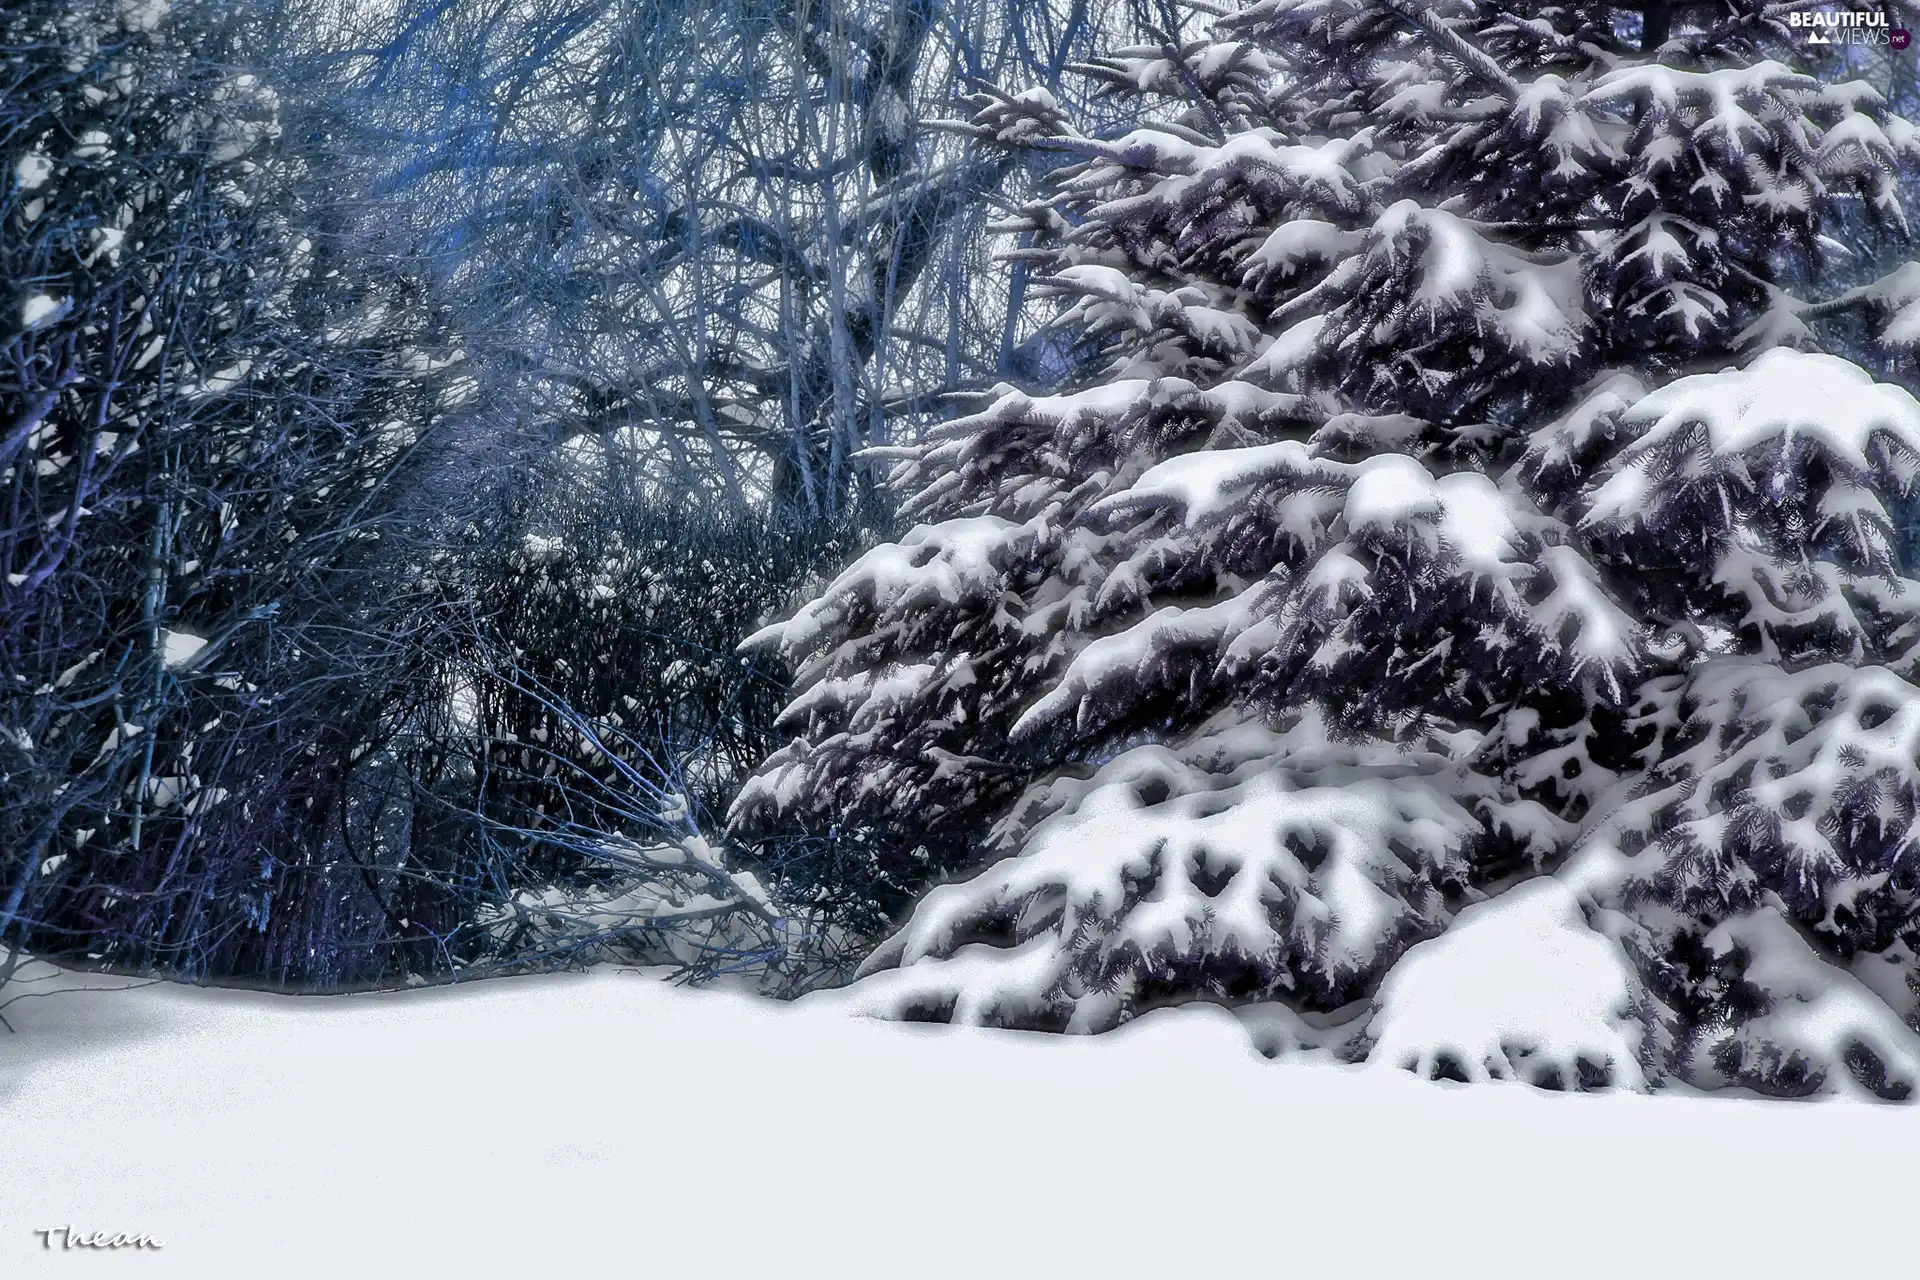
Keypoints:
pixel 1464 626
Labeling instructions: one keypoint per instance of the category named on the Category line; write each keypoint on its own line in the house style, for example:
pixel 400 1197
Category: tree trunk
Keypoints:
pixel 1656 24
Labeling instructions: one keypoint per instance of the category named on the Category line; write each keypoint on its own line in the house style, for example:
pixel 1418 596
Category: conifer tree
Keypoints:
pixel 1470 589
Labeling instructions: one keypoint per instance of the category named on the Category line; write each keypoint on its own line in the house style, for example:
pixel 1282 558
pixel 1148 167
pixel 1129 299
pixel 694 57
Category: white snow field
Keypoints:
pixel 613 1124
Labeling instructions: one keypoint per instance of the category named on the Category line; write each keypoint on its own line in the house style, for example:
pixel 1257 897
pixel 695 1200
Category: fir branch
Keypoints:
pixel 1476 60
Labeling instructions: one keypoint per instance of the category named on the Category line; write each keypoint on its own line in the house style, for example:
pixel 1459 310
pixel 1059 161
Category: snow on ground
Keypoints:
pixel 558 1124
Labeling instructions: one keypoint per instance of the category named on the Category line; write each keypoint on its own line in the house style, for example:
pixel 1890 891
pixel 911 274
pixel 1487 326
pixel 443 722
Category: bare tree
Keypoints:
pixel 404 413
pixel 721 234
pixel 215 413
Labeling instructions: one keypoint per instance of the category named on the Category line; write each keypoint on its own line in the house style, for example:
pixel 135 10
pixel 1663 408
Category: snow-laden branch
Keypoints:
pixel 1431 27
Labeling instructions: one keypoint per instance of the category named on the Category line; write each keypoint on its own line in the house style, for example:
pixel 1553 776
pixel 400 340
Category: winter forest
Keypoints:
pixel 1393 521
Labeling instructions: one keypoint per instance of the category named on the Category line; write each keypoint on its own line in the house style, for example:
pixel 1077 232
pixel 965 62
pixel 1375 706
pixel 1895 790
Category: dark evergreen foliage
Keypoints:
pixel 1465 496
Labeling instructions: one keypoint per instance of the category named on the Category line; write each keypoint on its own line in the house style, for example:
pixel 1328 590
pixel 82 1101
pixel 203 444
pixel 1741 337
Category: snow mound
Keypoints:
pixel 384 1133
pixel 1519 988
pixel 1819 1019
